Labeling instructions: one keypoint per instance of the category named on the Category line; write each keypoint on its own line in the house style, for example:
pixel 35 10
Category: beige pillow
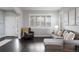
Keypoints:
pixel 70 36
pixel 60 33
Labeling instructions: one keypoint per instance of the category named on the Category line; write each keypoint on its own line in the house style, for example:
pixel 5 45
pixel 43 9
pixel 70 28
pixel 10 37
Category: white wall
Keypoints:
pixel 2 24
pixel 19 18
pixel 41 31
pixel 20 25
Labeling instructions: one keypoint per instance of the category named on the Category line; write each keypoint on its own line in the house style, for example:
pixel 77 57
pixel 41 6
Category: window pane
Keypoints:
pixel 33 21
pixel 48 21
pixel 38 21
pixel 42 21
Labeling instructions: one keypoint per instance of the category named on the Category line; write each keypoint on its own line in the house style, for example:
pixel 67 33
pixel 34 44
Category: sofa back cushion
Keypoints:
pixel 65 35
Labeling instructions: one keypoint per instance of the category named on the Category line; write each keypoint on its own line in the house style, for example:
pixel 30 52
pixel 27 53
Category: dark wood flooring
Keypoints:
pixel 25 45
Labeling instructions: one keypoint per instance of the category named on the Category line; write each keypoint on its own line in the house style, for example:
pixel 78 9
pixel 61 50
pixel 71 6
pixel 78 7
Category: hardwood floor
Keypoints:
pixel 24 45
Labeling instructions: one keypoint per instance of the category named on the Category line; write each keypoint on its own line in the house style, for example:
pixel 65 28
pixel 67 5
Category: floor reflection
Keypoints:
pixel 17 45
pixel 36 47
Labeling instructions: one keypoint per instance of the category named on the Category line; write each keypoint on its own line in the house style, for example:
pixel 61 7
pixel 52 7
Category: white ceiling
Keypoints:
pixel 32 8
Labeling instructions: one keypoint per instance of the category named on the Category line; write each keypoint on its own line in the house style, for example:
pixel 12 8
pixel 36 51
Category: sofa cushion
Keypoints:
pixel 56 36
pixel 65 35
pixel 52 41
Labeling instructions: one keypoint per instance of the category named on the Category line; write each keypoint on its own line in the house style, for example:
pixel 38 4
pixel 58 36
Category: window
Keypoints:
pixel 40 21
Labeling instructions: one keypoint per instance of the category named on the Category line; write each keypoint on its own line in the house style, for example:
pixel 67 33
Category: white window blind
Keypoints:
pixel 40 21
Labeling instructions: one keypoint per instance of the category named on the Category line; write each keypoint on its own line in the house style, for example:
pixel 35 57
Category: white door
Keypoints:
pixel 10 25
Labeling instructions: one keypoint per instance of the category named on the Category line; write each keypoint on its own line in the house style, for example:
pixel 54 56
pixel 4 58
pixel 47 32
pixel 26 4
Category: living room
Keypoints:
pixel 39 29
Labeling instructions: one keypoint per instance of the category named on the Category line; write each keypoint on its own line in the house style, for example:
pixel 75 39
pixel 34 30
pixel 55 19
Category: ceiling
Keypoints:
pixel 31 8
